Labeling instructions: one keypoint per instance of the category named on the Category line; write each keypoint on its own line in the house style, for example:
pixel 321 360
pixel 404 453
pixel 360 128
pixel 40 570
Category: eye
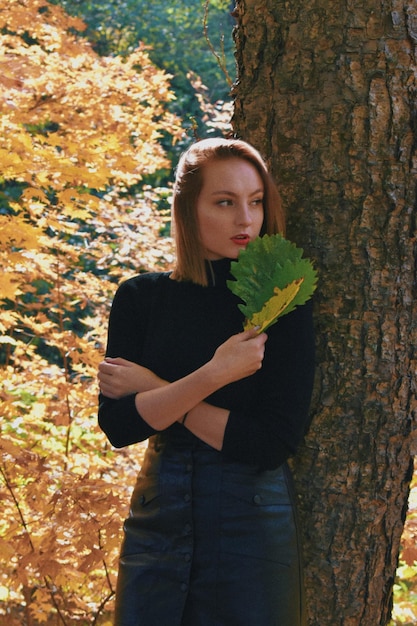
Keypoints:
pixel 225 202
pixel 258 201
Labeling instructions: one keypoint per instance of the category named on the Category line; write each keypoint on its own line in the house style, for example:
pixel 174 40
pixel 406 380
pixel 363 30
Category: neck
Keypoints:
pixel 218 271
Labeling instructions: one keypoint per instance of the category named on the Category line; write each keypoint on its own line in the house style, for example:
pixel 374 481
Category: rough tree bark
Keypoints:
pixel 327 90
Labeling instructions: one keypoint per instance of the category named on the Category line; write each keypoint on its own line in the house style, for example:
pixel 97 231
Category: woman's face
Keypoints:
pixel 230 208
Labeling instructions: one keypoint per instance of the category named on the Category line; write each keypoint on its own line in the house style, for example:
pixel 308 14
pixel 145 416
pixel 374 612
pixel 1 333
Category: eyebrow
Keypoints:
pixel 232 193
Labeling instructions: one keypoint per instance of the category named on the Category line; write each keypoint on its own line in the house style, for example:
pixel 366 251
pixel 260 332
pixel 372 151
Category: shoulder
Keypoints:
pixel 143 282
pixel 141 287
pixel 300 316
pixel 295 328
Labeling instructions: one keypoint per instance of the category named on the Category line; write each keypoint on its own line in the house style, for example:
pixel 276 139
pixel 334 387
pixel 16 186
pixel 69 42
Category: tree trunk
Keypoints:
pixel 327 92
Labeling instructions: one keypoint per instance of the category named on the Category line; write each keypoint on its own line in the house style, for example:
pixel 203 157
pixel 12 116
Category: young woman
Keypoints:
pixel 211 539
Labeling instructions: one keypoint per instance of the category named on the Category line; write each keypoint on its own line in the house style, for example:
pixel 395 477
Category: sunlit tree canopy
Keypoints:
pixel 79 135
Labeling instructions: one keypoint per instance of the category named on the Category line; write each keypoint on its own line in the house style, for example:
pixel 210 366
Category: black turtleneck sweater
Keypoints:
pixel 175 327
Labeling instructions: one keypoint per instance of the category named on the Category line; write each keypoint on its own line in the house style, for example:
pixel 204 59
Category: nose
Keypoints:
pixel 244 214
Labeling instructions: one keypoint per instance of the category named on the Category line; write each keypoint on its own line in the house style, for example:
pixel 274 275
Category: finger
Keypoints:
pixel 106 368
pixel 263 337
pixel 105 375
pixel 108 388
pixel 253 333
pixel 108 394
pixel 250 333
pixel 118 361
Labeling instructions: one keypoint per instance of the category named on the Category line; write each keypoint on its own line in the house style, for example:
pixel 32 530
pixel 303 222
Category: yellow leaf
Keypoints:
pixel 8 320
pixel 31 193
pixel 274 307
pixel 12 165
pixel 9 286
pixel 15 232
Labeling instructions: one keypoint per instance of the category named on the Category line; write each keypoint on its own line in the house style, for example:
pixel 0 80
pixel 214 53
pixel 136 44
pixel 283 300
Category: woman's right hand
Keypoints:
pixel 240 356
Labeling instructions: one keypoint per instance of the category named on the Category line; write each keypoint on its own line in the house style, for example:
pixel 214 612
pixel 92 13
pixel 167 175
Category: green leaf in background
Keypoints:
pixel 272 279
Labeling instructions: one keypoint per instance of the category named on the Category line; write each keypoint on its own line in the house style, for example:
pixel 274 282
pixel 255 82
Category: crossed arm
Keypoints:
pixel 161 403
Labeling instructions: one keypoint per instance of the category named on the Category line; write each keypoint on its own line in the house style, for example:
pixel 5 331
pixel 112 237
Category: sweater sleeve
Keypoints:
pixel 119 419
pixel 270 434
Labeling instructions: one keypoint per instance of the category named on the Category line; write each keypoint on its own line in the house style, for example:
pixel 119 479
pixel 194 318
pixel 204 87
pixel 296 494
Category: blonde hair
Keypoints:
pixel 190 264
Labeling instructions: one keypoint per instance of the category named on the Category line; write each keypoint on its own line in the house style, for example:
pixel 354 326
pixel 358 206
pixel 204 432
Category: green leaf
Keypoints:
pixel 265 272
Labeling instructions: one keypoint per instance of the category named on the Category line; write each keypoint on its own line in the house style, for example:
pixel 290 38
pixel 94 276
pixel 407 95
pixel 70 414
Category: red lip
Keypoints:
pixel 241 240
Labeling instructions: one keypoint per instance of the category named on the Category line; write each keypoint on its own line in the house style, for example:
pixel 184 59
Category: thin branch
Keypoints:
pixel 17 505
pixel 64 357
pixel 221 59
pixel 48 585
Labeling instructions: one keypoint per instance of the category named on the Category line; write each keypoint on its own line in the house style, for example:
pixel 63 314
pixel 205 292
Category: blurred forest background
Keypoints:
pixel 98 99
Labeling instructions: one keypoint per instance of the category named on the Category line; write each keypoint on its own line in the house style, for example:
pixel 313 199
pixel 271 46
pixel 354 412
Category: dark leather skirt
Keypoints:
pixel 208 542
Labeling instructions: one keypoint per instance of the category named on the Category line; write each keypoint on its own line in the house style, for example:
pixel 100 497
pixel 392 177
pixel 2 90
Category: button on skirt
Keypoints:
pixel 208 542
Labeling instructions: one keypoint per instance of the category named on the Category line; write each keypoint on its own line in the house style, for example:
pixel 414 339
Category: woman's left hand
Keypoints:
pixel 119 377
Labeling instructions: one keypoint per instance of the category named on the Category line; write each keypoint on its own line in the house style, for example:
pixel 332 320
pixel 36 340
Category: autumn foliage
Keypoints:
pixel 78 133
